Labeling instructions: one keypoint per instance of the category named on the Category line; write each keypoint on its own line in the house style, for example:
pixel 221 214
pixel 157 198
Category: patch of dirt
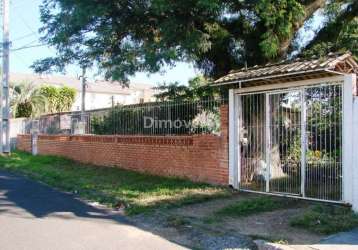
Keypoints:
pixel 191 236
pixel 191 225
pixel 272 225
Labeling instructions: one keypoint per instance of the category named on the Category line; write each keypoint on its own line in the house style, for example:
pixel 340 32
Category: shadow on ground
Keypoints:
pixel 24 198
pixel 40 200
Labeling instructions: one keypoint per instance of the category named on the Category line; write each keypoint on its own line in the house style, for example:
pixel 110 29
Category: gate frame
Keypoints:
pixel 349 88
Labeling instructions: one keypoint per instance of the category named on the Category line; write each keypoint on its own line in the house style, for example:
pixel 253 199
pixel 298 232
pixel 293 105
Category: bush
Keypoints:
pixel 207 122
pixel 193 117
pixel 24 109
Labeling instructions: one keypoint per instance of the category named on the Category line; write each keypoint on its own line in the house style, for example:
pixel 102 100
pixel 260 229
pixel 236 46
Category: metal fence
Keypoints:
pixel 291 142
pixel 157 118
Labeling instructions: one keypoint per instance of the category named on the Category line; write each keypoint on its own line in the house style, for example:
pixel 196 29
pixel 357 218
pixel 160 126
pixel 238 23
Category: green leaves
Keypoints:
pixel 59 99
pixel 339 33
pixel 278 17
pixel 270 44
pixel 27 101
pixel 198 89
pixel 125 37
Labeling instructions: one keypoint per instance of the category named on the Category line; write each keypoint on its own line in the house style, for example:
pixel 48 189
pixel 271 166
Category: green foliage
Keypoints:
pixel 198 89
pixel 207 122
pixel 26 100
pixel 323 128
pixel 143 36
pixel 66 98
pixel 160 118
pixel 279 26
pixel 51 94
pixel 30 101
pixel 24 109
pixel 115 187
pixel 255 205
pixel 340 33
pixel 59 99
pixel 119 120
pixel 327 219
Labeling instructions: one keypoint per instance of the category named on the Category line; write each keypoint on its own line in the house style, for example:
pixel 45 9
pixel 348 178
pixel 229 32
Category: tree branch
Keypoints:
pixel 310 9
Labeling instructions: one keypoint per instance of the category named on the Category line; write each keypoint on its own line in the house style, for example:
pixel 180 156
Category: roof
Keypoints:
pixel 290 70
pixel 92 86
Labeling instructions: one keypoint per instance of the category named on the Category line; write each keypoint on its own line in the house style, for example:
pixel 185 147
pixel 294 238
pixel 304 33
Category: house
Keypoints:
pixel 99 94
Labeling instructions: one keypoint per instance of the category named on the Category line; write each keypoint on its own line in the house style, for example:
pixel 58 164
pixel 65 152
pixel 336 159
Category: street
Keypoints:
pixel 34 216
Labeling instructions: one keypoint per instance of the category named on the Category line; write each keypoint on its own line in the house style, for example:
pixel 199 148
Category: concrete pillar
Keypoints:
pixel 355 155
pixel 348 154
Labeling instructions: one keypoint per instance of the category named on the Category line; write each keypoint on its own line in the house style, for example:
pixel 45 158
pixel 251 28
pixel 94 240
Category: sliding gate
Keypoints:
pixel 291 141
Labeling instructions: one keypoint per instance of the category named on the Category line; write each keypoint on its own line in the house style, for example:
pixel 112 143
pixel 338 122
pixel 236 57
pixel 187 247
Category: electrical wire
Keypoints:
pixel 28 47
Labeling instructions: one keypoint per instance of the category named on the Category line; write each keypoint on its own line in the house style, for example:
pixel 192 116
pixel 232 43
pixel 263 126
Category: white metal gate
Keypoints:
pixel 291 142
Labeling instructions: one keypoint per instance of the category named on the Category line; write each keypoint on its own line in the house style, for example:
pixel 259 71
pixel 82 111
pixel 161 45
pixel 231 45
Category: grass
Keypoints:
pixel 255 205
pixel 113 187
pixel 326 219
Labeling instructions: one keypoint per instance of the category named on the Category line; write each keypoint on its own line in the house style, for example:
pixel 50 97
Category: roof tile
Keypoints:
pixel 284 67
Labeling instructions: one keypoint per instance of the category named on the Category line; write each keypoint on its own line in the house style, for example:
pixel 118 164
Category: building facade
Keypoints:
pixel 99 94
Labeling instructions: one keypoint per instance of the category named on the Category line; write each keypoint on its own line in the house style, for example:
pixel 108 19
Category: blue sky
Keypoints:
pixel 24 24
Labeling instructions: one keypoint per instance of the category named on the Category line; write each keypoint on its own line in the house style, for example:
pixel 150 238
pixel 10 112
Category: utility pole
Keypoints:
pixel 112 100
pixel 83 94
pixel 5 114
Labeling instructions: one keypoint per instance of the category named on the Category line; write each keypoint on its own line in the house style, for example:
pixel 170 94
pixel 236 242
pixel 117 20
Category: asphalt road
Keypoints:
pixel 34 216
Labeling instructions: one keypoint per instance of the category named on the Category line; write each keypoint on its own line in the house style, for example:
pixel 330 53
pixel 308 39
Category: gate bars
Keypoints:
pixel 291 142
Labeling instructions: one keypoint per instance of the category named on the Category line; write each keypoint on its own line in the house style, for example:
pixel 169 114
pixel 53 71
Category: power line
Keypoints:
pixel 24 36
pixel 28 47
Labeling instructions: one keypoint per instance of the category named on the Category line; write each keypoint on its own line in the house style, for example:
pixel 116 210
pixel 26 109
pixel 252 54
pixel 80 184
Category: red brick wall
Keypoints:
pixel 196 157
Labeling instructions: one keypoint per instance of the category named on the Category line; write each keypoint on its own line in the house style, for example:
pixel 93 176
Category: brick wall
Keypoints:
pixel 196 157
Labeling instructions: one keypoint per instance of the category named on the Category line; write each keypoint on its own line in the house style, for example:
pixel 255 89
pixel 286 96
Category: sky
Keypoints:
pixel 25 22
pixel 24 25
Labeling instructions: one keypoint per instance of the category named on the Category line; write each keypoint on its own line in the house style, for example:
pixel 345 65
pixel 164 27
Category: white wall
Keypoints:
pixel 99 100
pixel 104 100
pixel 355 154
pixel 17 126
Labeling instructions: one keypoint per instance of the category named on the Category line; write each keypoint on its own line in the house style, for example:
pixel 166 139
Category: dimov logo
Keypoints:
pixel 150 122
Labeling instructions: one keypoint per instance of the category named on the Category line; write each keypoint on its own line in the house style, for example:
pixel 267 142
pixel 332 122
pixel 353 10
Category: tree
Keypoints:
pixel 125 37
pixel 198 89
pixel 27 101
pixel 340 33
pixel 67 96
pixel 51 94
pixel 59 99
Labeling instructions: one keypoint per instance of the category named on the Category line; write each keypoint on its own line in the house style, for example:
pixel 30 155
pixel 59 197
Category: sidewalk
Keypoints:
pixel 340 241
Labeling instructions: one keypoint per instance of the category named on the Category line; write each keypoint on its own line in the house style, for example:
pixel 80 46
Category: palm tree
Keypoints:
pixel 27 100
